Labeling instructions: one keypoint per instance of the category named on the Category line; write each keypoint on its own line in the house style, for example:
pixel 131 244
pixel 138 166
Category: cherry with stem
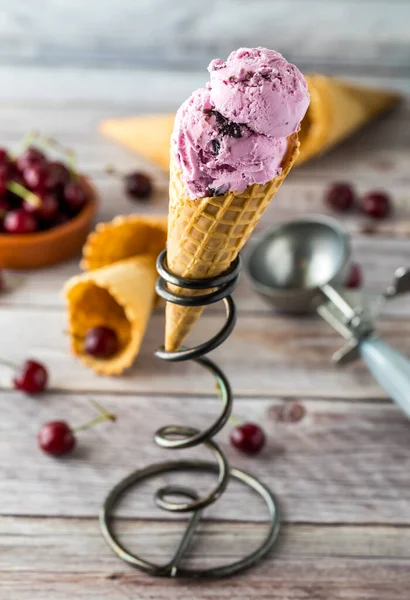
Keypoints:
pixel 57 438
pixel 30 377
pixel 137 185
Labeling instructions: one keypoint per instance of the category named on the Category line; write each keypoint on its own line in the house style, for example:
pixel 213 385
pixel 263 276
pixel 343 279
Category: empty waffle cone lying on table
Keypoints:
pixel 337 109
pixel 118 289
pixel 205 236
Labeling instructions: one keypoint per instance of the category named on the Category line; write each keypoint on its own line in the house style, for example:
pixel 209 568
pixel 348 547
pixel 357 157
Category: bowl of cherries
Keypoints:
pixel 46 208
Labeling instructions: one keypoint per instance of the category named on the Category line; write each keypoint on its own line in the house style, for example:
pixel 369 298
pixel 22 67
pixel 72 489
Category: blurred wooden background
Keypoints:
pixel 64 45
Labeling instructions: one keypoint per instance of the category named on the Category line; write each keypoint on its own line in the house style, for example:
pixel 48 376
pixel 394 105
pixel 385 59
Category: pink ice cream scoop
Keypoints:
pixel 219 151
pixel 259 87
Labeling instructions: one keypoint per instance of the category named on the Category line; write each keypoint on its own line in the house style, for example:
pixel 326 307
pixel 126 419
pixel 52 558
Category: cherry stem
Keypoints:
pixel 232 419
pixel 27 141
pixel 71 155
pixel 24 193
pixel 110 170
pixel 103 416
pixel 73 335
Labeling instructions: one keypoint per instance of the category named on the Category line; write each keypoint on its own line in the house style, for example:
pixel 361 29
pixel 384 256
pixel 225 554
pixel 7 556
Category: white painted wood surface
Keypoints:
pixel 66 558
pixel 340 471
pixel 326 34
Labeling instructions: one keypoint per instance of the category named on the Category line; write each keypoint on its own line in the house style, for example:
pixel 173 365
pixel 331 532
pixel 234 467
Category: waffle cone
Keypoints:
pixel 124 237
pixel 119 296
pixel 148 135
pixel 336 110
pixel 205 235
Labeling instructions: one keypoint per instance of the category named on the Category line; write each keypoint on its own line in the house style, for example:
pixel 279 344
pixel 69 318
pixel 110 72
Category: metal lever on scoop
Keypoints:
pixel 346 313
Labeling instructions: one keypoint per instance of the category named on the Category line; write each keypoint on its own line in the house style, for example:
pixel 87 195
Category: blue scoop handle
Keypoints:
pixel 390 369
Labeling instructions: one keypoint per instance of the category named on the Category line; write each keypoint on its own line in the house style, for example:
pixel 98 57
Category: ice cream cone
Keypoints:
pixel 206 234
pixel 119 290
pixel 337 109
pixel 124 237
pixel 148 135
pixel 119 296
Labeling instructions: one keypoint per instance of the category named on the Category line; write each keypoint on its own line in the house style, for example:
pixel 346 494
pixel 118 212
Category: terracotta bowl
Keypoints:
pixel 34 250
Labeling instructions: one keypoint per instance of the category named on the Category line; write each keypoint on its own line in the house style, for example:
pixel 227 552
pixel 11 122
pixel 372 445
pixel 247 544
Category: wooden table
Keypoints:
pixel 338 454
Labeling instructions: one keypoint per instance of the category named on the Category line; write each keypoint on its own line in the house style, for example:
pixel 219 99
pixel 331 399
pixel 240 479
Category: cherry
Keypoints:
pixel 36 175
pixel 47 209
pixel 6 172
pixel 4 157
pixel 5 206
pixel 340 196
pixel 31 377
pixel 58 175
pixel 3 186
pixel 101 342
pixel 30 157
pixel 56 438
pixel 249 438
pixel 60 219
pixel 355 277
pixel 75 196
pixel 138 185
pixel 376 204
pixel 20 221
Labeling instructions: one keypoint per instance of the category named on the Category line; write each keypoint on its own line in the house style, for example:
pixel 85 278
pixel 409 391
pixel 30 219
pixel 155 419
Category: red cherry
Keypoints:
pixel 101 342
pixel 5 206
pixel 20 221
pixel 4 157
pixel 58 175
pixel 6 172
pixel 60 219
pixel 56 438
pixel 29 157
pixel 138 185
pixel 355 277
pixel 249 438
pixel 32 377
pixel 75 196
pixel 48 208
pixel 3 186
pixel 376 204
pixel 35 176
pixel 340 196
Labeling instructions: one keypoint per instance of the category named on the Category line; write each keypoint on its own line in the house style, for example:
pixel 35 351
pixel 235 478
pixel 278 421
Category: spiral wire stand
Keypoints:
pixel 181 436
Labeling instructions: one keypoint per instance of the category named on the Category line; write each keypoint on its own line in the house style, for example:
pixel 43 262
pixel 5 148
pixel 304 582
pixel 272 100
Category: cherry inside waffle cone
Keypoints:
pixel 119 296
pixel 206 234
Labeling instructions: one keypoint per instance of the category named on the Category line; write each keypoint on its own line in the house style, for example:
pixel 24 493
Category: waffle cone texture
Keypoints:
pixel 206 234
pixel 118 288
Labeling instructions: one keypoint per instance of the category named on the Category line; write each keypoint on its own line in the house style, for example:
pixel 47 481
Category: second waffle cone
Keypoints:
pixel 205 235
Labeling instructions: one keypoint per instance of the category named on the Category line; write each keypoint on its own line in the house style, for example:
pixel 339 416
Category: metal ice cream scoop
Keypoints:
pixel 296 267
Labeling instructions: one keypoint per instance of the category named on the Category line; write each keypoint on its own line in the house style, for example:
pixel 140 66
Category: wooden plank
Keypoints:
pixel 62 559
pixel 288 356
pixel 189 35
pixel 328 461
pixel 379 257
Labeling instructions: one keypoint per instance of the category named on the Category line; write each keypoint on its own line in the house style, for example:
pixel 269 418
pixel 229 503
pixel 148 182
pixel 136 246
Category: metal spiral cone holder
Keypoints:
pixel 181 436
